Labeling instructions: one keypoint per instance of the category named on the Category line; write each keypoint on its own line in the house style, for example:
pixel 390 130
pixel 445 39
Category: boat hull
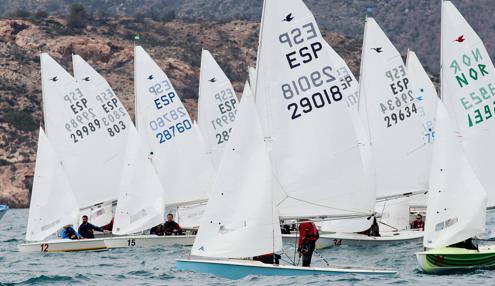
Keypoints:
pixel 355 239
pixel 237 269
pixel 449 260
pixel 3 210
pixel 148 241
pixel 64 245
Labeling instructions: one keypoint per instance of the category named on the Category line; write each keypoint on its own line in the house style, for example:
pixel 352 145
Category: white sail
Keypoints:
pixel 391 107
pixel 456 207
pixel 427 99
pixel 300 98
pixel 241 219
pixel 177 154
pixel 53 204
pixel 190 216
pixel 217 107
pixel 141 201
pixel 252 79
pixel 94 85
pixel 89 149
pixel 468 89
pixel 394 214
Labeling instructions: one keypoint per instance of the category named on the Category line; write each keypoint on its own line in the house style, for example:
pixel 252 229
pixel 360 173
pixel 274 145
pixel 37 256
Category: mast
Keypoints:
pixel 441 51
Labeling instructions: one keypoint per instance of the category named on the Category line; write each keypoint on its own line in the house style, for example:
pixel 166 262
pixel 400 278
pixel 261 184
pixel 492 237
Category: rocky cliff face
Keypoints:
pixel 411 24
pixel 107 44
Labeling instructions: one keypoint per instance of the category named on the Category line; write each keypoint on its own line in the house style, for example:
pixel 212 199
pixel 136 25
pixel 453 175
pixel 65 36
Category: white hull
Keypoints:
pixel 356 239
pixel 148 240
pixel 64 245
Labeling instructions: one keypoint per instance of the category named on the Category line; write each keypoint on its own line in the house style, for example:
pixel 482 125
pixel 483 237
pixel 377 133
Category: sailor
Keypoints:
pixel 308 235
pixel 374 229
pixel 68 232
pixel 86 229
pixel 467 244
pixel 270 258
pixel 157 230
pixel 171 227
pixel 108 226
pixel 418 223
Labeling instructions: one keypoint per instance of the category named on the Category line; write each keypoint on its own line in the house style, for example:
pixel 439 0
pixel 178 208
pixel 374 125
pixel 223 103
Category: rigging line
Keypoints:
pixel 328 207
pixel 383 209
pixel 321 256
pixel 386 224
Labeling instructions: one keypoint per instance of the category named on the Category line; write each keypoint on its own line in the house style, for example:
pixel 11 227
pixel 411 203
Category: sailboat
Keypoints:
pixel 3 210
pixel 53 205
pixel 241 219
pixel 217 106
pixel 390 109
pixel 86 141
pixel 456 208
pixel 274 166
pixel 394 213
pixel 467 78
pixel 460 190
pixel 174 147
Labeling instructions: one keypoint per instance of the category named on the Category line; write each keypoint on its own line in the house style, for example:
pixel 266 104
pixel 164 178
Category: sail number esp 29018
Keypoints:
pixel 304 47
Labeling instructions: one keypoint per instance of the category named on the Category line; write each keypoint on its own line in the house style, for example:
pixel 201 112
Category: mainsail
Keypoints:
pixel 217 107
pixel 468 89
pixel 75 124
pixel 115 118
pixel 390 104
pixel 175 148
pixel 53 203
pixel 300 95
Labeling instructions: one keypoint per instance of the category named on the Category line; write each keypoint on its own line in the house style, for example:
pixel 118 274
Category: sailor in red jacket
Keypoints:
pixel 308 235
pixel 418 223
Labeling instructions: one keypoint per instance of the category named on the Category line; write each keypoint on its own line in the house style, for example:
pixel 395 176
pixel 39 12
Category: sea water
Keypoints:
pixel 156 265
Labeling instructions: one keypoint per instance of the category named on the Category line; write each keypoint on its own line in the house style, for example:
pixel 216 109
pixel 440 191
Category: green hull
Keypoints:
pixel 450 260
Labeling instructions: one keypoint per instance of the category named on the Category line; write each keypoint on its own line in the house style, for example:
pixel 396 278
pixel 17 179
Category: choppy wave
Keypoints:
pixel 156 266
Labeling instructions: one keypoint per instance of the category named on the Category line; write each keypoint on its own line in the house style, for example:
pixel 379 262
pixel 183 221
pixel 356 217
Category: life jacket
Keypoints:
pixel 308 233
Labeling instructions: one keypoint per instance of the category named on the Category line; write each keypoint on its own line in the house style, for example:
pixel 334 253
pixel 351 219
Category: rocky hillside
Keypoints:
pixel 413 24
pixel 107 44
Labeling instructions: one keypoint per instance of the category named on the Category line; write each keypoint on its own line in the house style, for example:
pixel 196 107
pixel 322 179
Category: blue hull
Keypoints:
pixel 3 210
pixel 240 269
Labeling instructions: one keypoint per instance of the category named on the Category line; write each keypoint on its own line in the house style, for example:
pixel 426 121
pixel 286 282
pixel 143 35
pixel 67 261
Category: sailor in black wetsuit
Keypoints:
pixel 170 227
pixel 86 229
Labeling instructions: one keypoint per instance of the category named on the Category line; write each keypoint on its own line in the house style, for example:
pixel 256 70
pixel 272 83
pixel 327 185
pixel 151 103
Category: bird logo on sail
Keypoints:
pixel 202 248
pixel 54 79
pixel 460 39
pixel 288 18
pixel 86 78
pixel 212 79
pixel 150 77
pixel 378 50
